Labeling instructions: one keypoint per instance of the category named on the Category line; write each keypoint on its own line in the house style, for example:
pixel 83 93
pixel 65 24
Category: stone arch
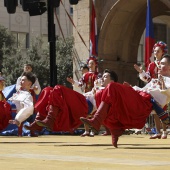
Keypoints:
pixel 120 34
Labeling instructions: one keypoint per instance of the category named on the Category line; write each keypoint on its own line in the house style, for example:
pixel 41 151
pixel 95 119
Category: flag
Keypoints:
pixel 149 37
pixel 93 32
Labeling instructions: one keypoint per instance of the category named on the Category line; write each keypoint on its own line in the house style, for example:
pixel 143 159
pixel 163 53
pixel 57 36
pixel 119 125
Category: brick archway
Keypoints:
pixel 120 32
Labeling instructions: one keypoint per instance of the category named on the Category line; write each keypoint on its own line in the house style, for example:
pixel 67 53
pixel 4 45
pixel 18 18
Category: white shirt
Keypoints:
pixel 22 99
pixel 35 84
pixel 153 88
pixel 91 97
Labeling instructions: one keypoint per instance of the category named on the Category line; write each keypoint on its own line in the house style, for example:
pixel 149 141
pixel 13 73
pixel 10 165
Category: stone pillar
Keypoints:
pixel 81 20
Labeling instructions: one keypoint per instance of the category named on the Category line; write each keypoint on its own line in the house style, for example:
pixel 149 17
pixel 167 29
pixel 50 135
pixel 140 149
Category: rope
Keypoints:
pixel 74 26
pixel 59 24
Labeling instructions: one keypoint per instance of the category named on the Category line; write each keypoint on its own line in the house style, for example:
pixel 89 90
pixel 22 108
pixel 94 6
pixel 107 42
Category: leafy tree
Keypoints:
pixel 6 40
pixel 64 60
pixel 40 60
pixel 14 59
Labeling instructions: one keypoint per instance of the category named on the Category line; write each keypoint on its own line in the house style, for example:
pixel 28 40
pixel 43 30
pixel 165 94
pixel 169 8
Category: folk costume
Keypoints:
pixel 121 107
pixel 62 107
pixel 152 70
pixel 32 90
pixel 87 80
pixel 37 92
pixel 5 113
pixel 23 102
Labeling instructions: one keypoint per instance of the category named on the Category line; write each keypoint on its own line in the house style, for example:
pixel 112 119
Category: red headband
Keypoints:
pixel 162 45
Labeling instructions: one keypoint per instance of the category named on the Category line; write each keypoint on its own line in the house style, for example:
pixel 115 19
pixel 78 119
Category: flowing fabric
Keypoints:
pixel 72 106
pixel 5 114
pixel 88 80
pixel 129 108
pixel 42 102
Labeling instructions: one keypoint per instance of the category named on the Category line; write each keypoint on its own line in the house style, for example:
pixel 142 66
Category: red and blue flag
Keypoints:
pixel 149 37
pixel 93 32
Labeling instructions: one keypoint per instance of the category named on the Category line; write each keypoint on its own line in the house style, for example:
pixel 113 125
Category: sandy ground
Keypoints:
pixel 59 152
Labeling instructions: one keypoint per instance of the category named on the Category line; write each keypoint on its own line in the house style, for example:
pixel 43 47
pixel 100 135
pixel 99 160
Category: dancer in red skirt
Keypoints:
pixel 122 107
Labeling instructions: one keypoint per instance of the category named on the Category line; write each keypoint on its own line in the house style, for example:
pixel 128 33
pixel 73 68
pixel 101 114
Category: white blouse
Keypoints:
pixel 153 88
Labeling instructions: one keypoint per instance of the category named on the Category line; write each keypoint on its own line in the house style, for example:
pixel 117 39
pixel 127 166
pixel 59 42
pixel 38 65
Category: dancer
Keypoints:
pixel 159 49
pixel 122 107
pixel 5 113
pixel 22 99
pixel 60 108
pixel 35 89
pixel 108 76
pixel 87 82
pixel 89 77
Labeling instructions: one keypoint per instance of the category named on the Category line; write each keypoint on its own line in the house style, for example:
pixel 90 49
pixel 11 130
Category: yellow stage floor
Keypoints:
pixel 57 152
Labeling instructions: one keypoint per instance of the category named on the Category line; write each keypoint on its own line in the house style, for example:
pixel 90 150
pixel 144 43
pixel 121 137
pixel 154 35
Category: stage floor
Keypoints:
pixel 59 152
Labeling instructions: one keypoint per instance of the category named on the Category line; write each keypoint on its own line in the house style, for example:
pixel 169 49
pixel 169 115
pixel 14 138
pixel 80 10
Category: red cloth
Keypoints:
pixel 152 70
pixel 33 95
pixel 89 79
pixel 42 102
pixel 128 108
pixel 98 97
pixel 72 106
pixel 5 114
pixel 149 35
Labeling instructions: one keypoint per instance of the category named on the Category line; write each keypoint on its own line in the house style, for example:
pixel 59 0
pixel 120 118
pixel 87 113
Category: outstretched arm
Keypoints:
pixel 69 79
pixel 138 69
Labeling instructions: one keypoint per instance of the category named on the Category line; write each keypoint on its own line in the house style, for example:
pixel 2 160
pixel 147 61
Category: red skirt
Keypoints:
pixel 5 114
pixel 129 108
pixel 72 106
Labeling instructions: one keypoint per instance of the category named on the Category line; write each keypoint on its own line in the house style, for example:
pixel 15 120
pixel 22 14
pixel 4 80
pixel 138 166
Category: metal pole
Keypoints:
pixel 52 43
